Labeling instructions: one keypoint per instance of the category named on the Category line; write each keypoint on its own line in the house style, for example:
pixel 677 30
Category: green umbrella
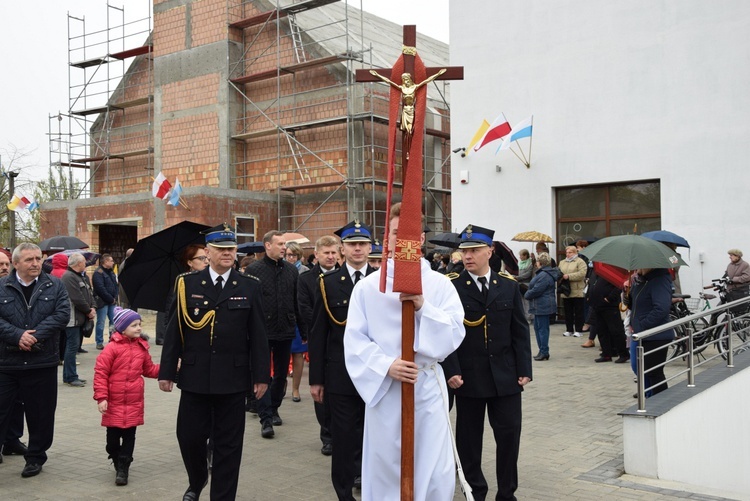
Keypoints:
pixel 633 252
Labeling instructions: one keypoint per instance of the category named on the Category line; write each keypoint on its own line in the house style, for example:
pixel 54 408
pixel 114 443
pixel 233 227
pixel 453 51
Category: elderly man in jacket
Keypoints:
pixel 34 308
pixel 278 279
pixel 81 308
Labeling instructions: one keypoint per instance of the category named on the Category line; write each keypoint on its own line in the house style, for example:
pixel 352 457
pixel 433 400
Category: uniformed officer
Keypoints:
pixel 328 376
pixel 376 255
pixel 490 368
pixel 217 329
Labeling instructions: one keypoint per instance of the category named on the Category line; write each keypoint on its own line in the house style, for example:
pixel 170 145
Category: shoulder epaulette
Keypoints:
pixel 187 273
pixel 452 275
pixel 505 274
pixel 247 275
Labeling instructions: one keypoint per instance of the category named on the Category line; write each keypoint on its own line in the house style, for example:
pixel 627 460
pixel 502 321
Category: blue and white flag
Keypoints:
pixel 520 131
pixel 174 197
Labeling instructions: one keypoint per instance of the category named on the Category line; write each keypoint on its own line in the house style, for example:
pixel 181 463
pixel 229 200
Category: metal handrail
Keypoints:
pixel 690 354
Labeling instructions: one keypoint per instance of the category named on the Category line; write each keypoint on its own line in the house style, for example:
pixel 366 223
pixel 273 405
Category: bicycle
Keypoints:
pixel 700 328
pixel 736 317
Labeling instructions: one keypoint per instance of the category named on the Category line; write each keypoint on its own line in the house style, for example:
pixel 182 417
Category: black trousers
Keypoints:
pixel 655 377
pixel 574 318
pixel 323 415
pixel 37 388
pixel 15 425
pixel 611 332
pixel 269 404
pixel 505 419
pixel 221 417
pixel 347 428
pixel 120 442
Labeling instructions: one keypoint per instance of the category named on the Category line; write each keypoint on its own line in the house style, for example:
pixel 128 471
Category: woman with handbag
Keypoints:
pixel 571 286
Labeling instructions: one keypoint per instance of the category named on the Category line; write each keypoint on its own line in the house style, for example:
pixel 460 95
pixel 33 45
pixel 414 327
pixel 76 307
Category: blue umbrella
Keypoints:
pixel 667 237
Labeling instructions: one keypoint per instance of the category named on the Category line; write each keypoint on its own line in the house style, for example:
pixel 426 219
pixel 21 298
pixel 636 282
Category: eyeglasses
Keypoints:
pixel 202 258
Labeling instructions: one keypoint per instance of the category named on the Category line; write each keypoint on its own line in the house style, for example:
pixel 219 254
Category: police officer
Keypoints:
pixel 490 368
pixel 217 329
pixel 329 379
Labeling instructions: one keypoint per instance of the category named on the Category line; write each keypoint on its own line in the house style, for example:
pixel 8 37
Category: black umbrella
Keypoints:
pixel 251 248
pixel 450 240
pixel 152 268
pixel 61 243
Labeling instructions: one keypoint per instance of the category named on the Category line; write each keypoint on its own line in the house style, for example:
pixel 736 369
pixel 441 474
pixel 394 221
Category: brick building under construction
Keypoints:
pixel 252 105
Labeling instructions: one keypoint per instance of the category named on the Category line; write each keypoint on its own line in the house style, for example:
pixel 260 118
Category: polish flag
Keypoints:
pixel 161 187
pixel 499 129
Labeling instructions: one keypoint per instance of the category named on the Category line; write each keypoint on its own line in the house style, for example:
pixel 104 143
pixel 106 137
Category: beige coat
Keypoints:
pixel 576 271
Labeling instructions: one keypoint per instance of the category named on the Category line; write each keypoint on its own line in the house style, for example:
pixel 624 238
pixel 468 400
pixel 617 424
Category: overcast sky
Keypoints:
pixel 34 60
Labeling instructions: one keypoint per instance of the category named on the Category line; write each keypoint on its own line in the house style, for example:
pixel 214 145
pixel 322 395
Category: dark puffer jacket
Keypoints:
pixel 47 313
pixel 278 280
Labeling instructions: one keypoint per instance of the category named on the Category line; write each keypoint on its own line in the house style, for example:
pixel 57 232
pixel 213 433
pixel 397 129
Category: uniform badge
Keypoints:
pixel 196 312
pixel 203 282
pixel 234 282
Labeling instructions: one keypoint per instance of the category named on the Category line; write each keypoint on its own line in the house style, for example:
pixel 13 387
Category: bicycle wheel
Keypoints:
pixel 679 349
pixel 702 335
pixel 740 335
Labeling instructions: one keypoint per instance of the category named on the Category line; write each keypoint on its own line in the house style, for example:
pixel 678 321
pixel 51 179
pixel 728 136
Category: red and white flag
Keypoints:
pixel 161 187
pixel 499 129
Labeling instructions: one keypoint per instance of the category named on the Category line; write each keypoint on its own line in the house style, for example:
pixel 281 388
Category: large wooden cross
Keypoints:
pixel 407 252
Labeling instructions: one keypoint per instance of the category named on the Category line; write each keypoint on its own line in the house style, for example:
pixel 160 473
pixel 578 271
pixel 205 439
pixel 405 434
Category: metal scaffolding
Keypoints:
pixel 309 131
pixel 105 138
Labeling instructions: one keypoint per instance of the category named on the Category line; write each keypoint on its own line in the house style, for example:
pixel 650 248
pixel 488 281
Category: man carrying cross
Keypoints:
pixel 372 348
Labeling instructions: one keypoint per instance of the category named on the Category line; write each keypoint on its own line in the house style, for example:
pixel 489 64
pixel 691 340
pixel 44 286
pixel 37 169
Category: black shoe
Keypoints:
pixel 603 359
pixel 327 449
pixel 123 465
pixel 358 483
pixel 191 495
pixel 276 419
pixel 31 470
pixel 16 448
pixel 623 359
pixel 541 357
pixel 81 350
pixel 266 431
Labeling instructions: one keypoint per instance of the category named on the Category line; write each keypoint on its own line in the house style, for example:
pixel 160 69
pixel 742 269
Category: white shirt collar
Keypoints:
pixel 351 270
pixel 476 277
pixel 24 283
pixel 215 275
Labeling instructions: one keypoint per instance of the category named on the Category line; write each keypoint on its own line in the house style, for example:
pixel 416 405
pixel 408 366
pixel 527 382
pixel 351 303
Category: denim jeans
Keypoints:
pixel 105 311
pixel 541 329
pixel 72 343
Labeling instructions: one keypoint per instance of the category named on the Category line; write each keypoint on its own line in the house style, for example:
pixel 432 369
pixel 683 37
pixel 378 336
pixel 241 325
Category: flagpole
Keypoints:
pixel 531 138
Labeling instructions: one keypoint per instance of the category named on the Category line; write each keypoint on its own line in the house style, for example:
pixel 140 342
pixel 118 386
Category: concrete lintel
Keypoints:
pixel 125 221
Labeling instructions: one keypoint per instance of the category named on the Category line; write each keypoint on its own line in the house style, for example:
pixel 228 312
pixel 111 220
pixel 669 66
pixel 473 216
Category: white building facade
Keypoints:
pixel 641 117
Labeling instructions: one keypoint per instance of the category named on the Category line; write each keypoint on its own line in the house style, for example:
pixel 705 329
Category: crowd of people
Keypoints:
pixel 229 332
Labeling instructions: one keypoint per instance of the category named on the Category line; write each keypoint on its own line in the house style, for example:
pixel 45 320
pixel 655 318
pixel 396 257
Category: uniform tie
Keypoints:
pixel 485 290
pixel 219 286
pixel 357 276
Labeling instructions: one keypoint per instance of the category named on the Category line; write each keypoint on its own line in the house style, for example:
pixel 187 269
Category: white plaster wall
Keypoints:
pixel 705 441
pixel 620 91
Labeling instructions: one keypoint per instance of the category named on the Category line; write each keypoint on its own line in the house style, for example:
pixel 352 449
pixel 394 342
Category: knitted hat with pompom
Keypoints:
pixel 124 317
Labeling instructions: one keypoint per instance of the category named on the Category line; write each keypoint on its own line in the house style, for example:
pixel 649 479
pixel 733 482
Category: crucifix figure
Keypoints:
pixel 408 101
pixel 408 95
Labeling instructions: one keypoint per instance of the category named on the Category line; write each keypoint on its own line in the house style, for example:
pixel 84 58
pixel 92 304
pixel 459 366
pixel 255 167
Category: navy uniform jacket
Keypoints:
pixel 308 291
pixel 326 342
pixel 223 364
pixel 491 368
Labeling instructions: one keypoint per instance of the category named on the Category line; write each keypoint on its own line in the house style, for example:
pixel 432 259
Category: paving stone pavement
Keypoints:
pixel 571 447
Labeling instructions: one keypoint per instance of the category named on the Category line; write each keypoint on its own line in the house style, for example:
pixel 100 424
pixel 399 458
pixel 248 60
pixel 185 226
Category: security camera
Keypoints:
pixel 459 149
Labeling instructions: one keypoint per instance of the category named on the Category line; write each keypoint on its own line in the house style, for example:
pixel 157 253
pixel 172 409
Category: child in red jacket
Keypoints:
pixel 118 388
